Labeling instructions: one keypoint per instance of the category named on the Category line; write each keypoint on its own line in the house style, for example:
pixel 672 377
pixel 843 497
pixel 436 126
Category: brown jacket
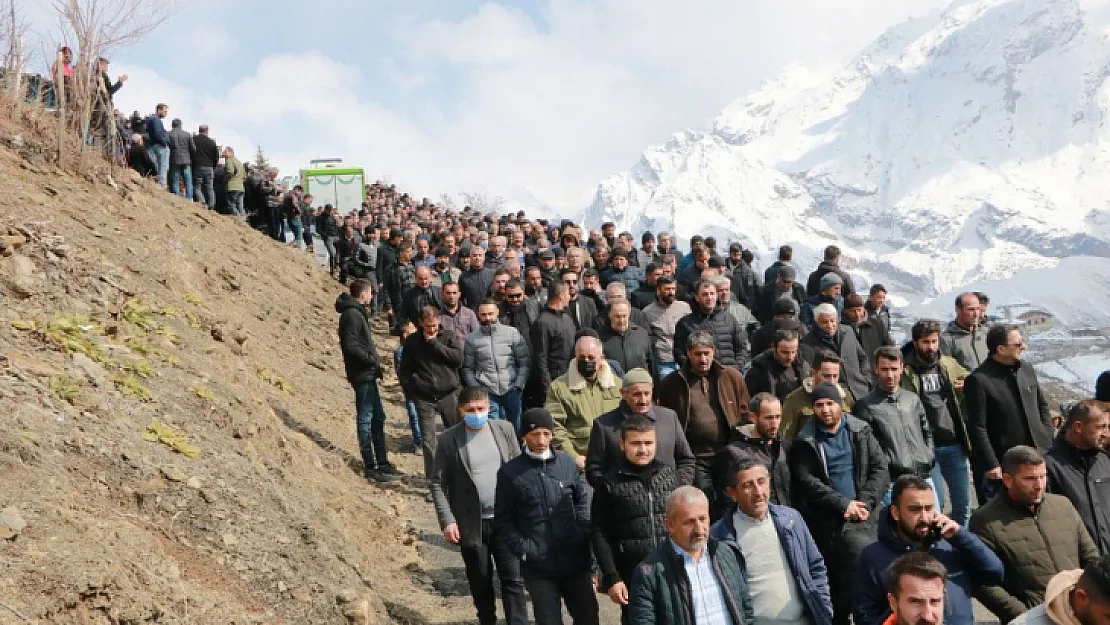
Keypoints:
pixel 674 393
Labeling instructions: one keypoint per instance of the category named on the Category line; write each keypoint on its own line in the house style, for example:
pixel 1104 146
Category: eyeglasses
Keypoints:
pixel 514 295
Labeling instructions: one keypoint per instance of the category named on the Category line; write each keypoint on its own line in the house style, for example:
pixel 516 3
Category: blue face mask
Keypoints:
pixel 476 420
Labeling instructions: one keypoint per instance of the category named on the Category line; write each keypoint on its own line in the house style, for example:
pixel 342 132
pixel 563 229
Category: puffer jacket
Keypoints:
pixel 1084 478
pixel 899 421
pixel 968 561
pixel 660 592
pixel 631 277
pixel 813 495
pixel 360 357
pixel 731 338
pixel 574 403
pixel 968 347
pixel 496 358
pixel 631 348
pixel 400 279
pixel 768 376
pixel 855 368
pixel 1033 544
pixel 626 517
pixel 429 369
pixel 798 407
pixel 746 444
pixel 806 563
pixel 552 344
pixel 542 514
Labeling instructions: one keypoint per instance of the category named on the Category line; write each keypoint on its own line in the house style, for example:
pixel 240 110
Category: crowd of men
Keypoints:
pixel 703 442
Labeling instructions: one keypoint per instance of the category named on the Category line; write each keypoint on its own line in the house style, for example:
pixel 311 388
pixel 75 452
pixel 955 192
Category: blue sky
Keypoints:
pixel 534 100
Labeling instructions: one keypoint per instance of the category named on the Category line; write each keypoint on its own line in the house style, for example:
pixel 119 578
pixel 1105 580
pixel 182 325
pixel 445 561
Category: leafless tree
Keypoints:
pixel 13 32
pixel 483 203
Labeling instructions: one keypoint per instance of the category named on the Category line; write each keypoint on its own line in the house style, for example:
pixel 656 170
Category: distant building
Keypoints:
pixel 1035 318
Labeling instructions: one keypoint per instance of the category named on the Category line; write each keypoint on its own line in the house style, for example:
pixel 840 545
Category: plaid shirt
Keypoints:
pixel 706 596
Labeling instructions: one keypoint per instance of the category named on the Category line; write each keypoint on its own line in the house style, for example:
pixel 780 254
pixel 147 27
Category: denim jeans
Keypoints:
pixel 414 423
pixel 160 156
pixel 952 466
pixel 664 369
pixel 576 591
pixel 204 183
pixel 295 226
pixel 506 407
pixel 480 561
pixel 370 421
pixel 235 203
pixel 176 172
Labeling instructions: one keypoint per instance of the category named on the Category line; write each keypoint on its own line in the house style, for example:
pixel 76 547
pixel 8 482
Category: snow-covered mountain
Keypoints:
pixel 963 147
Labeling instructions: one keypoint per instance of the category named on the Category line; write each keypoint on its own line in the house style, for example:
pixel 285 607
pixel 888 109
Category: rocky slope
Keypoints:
pixel 177 441
pixel 960 147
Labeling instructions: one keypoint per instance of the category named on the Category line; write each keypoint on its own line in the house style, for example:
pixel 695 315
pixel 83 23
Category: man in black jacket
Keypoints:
pixel 429 376
pixel 628 508
pixel 475 282
pixel 782 285
pixel 582 310
pixel 876 305
pixel 422 294
pixel 328 230
pixel 542 514
pixel 759 441
pixel 205 159
pixel 746 282
pixel 360 359
pixel 628 344
pixel 401 278
pixel 732 340
pixel 552 338
pixel 1078 470
pixel 645 295
pixel 779 370
pixel 839 474
pixel 831 264
pixel 1005 408
pixel 869 330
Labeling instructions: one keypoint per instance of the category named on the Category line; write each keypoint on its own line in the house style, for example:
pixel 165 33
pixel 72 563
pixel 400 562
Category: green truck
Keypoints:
pixel 330 183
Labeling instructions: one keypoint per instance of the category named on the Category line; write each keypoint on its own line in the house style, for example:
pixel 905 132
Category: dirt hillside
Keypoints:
pixel 178 441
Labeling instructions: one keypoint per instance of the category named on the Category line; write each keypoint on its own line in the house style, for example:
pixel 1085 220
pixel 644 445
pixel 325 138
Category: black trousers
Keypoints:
pixel 842 552
pixel 480 562
pixel 548 595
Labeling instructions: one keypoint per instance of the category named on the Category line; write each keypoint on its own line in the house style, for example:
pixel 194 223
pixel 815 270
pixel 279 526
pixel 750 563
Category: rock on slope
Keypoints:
pixel 121 306
pixel 958 147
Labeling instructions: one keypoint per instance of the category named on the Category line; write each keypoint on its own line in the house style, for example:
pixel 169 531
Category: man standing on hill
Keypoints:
pixel 181 159
pixel 235 178
pixel 158 143
pixel 360 359
pixel 204 167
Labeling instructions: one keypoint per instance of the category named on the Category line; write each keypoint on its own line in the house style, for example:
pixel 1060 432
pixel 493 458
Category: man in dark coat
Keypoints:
pixel 604 451
pixel 1079 471
pixel 869 330
pixel 876 305
pixel 839 475
pixel 552 338
pixel 831 264
pixel 475 282
pixel 424 293
pixel 624 342
pixel 779 370
pixel 582 310
pixel 782 285
pixel 360 360
pixel 204 167
pixel 828 333
pixel 542 514
pixel 430 378
pixel 1005 408
pixel 662 592
pixel 732 340
pixel 628 507
pixel 760 441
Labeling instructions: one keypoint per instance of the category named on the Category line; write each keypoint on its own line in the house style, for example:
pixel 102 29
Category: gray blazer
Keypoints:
pixel 453 491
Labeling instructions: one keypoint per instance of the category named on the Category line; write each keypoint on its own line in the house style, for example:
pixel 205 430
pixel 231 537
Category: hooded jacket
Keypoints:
pixel 731 338
pixel 968 561
pixel 496 358
pixel 1056 609
pixel 767 375
pixel 360 356
pixel 747 444
pixel 805 561
pixel 899 421
pixel 968 347
pixel 855 368
pixel 575 402
pixel 1034 544
pixel 1005 408
pixel 604 449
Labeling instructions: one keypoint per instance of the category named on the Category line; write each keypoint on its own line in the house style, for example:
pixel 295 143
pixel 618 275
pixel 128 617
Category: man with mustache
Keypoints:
pixel 913 523
pixel 713 589
pixel 938 381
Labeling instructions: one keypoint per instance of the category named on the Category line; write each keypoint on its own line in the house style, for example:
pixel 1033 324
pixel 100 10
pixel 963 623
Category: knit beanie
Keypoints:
pixel 825 390
pixel 831 279
pixel 536 418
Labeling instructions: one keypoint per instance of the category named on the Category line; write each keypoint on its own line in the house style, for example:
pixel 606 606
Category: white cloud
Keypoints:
pixel 526 107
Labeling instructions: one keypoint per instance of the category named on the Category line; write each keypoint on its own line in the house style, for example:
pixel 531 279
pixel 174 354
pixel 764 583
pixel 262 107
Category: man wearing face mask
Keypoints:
pixel 468 457
pixel 541 511
pixel 586 391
